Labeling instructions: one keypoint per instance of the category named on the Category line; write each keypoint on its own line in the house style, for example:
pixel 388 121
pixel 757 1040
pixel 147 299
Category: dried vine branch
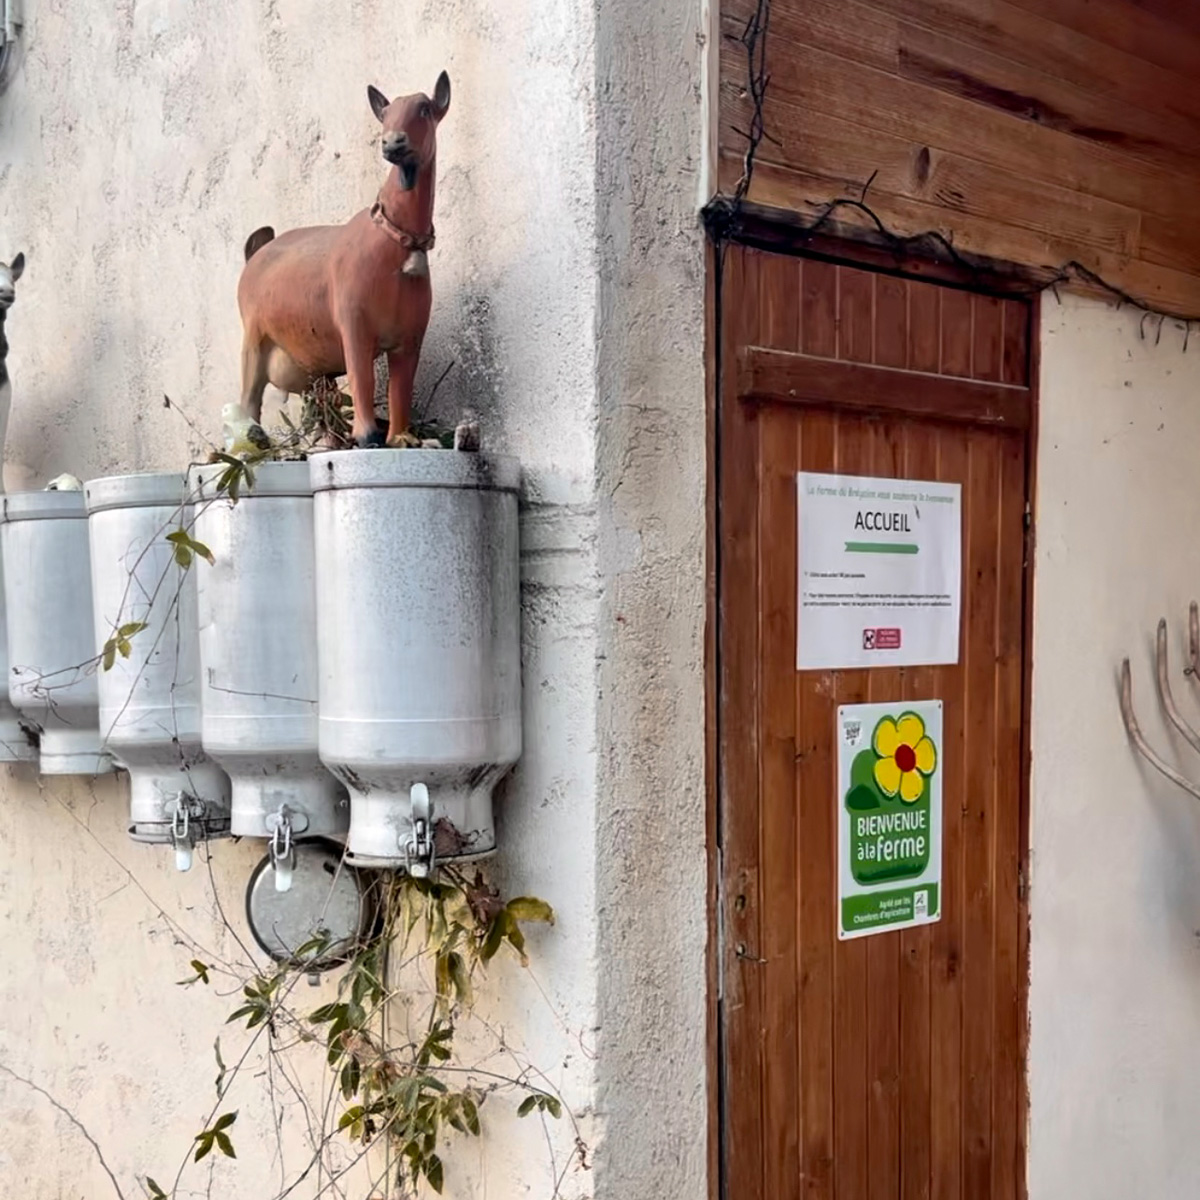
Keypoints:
pixel 754 41
pixel 66 1112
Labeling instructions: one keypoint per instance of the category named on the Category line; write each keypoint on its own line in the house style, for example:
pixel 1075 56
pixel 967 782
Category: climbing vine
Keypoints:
pixel 434 940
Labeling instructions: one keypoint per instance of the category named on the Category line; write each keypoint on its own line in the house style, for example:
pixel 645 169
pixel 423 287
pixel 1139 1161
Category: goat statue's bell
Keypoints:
pixel 416 264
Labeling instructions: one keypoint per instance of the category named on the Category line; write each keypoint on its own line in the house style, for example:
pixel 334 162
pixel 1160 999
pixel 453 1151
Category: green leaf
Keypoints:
pixel 530 908
pixel 500 925
pixel 201 975
pixel 186 546
pixel 225 1145
pixel 316 945
pixel 516 939
pixel 225 1121
pixel 527 1106
pixel 130 628
pixel 204 1148
pixel 433 1172
pixel 442 977
pixel 554 1107
pixel 452 1112
pixel 156 1193
pixel 109 654
pixel 470 1115
pixel 461 977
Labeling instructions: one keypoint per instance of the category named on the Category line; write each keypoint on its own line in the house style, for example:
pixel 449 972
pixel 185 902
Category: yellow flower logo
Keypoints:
pixel 906 757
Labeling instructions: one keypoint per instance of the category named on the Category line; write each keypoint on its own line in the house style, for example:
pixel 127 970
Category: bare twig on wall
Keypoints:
pixel 66 1112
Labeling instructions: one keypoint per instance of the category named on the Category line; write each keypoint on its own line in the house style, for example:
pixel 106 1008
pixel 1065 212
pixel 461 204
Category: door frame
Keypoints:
pixel 781 232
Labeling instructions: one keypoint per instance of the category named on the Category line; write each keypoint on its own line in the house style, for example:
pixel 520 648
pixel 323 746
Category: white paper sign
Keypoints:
pixel 889 802
pixel 880 571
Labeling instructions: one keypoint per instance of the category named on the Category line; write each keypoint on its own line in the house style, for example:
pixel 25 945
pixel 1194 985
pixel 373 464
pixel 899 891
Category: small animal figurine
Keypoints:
pixel 9 274
pixel 327 300
pixel 242 435
pixel 65 483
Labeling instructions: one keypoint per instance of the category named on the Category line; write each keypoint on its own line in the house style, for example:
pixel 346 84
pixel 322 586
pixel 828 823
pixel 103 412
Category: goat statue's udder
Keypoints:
pixel 286 373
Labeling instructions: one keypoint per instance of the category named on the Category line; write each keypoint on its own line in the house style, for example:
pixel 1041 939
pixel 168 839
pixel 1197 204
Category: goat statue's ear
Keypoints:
pixel 16 267
pixel 441 95
pixel 379 101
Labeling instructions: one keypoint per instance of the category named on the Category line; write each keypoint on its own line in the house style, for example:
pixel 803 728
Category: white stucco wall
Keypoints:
pixel 651 498
pixel 139 143
pixel 1115 884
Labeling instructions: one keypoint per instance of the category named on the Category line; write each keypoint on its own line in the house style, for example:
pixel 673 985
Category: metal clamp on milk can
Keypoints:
pixel 144 594
pixel 418 627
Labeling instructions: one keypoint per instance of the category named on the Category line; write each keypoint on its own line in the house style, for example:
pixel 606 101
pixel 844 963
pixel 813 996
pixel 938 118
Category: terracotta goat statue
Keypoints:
pixel 9 274
pixel 328 300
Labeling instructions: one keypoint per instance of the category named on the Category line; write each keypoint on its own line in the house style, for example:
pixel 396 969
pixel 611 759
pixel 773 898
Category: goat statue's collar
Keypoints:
pixel 402 237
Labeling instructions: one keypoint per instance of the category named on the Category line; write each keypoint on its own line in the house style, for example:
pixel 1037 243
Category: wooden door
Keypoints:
pixel 890 1066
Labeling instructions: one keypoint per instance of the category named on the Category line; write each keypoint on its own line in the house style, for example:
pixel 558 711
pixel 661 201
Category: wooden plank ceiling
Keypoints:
pixel 1032 131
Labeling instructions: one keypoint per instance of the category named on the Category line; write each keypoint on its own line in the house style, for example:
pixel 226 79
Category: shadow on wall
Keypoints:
pixel 462 333
pixel 69 426
pixel 461 343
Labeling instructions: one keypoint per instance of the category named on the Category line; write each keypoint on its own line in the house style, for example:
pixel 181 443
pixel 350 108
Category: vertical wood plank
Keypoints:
pixel 851 1093
pixel 819 309
pixel 988 336
pixel 891 321
pixel 739 642
pixel 816 784
pixel 884 457
pixel 856 314
pixel 1014 367
pixel 712 965
pixel 925 327
pixel 779 321
pixel 957 337
pixel 921 683
pixel 778 301
pixel 945 967
pixel 979 814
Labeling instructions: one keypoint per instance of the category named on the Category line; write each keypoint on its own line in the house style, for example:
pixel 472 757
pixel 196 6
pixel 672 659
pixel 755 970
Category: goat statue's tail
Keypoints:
pixel 257 240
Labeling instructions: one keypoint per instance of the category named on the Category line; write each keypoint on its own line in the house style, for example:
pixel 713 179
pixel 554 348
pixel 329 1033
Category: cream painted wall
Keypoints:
pixel 139 143
pixel 1115 849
